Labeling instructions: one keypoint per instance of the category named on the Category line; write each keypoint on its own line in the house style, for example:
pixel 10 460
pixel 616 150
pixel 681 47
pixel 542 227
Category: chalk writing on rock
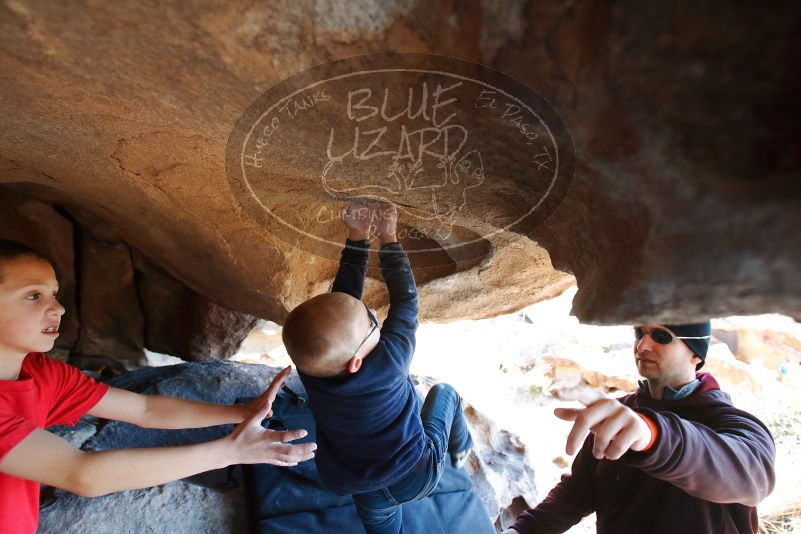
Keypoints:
pixel 464 152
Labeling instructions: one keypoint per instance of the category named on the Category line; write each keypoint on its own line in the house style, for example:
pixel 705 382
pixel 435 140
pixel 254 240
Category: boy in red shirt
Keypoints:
pixel 37 392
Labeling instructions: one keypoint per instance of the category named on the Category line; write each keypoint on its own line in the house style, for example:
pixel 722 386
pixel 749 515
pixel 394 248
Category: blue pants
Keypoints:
pixel 446 431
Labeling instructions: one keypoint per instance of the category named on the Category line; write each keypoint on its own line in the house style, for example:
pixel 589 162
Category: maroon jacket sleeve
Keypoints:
pixel 568 502
pixel 729 459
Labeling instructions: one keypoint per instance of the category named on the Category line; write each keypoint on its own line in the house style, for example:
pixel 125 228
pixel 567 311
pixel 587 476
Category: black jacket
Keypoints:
pixel 708 469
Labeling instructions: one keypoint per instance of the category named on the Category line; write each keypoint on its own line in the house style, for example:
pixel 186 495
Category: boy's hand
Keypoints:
pixel 254 444
pixel 385 220
pixel 250 443
pixel 268 397
pixel 356 216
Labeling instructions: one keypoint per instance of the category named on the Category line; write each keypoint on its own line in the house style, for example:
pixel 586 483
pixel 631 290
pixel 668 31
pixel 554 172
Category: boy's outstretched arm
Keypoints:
pixel 353 263
pixel 158 411
pixel 46 458
pixel 401 324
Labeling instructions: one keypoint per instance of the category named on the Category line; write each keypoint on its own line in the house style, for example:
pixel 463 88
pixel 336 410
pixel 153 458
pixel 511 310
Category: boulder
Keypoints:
pixel 177 507
pixel 498 466
pixel 215 501
pixel 180 322
pixel 774 349
pixel 602 372
pixel 684 202
pixel 127 302
pixel 110 313
pixel 733 374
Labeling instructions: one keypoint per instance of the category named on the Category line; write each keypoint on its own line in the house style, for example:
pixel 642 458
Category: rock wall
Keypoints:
pixel 685 198
pixel 37 224
pixel 117 301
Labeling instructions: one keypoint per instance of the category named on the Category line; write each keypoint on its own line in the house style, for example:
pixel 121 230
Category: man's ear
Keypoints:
pixel 696 360
pixel 354 364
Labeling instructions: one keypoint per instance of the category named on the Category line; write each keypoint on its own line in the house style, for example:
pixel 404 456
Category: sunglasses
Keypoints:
pixel 374 321
pixel 660 335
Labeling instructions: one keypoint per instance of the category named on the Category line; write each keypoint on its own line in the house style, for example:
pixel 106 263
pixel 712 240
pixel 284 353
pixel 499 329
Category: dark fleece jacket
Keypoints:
pixel 709 467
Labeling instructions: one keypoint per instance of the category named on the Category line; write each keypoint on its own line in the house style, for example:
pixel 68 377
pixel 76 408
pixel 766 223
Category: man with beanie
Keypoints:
pixel 676 456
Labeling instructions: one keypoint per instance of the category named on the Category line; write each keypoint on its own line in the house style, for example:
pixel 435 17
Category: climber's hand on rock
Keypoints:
pixel 356 217
pixel 616 428
pixel 384 218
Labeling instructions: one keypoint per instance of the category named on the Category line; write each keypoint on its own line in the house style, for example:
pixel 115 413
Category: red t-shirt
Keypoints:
pixel 47 393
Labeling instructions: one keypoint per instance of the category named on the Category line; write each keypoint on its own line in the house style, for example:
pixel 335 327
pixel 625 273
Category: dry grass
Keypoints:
pixel 786 520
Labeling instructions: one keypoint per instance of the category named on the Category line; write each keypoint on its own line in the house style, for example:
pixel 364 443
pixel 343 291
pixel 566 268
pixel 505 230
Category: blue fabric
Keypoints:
pixel 369 432
pixel 293 500
pixel 446 429
pixel 671 394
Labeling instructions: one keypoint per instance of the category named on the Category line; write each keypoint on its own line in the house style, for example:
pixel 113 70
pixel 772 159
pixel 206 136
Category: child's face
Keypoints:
pixel 29 312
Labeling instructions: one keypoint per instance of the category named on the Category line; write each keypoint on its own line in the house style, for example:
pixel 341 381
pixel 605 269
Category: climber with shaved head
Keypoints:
pixel 676 456
pixel 37 392
pixel 374 440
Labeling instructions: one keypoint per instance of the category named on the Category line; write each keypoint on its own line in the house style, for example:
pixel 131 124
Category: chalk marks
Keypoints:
pixel 444 139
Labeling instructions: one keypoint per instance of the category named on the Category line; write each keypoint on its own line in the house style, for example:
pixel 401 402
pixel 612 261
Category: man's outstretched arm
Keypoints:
pixel 729 461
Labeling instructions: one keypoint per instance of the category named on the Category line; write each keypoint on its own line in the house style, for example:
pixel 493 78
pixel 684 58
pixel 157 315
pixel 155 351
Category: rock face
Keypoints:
pixel 39 225
pixel 214 501
pixel 117 301
pixel 567 372
pixel 110 316
pixel 684 203
pixel 178 507
pixel 775 349
pixel 180 322
pixel 498 467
